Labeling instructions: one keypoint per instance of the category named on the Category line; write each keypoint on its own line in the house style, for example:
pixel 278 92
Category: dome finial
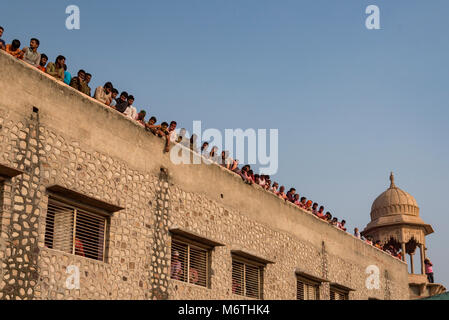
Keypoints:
pixel 393 185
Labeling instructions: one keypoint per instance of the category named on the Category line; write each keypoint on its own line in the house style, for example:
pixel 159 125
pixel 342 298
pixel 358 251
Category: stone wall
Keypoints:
pixel 72 141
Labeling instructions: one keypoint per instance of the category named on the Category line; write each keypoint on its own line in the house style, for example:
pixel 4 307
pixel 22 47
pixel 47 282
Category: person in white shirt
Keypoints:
pixel 131 111
pixel 171 136
pixel 103 94
pixel 30 54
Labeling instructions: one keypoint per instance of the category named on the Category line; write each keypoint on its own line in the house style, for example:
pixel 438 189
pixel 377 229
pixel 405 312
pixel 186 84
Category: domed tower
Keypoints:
pixel 395 221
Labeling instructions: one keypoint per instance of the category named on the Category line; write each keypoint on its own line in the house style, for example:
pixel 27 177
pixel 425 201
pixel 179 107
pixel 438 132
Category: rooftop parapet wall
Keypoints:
pixel 105 131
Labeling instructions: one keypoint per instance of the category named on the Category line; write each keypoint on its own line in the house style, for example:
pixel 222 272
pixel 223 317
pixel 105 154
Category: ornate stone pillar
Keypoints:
pixel 421 251
pixel 403 252
pixel 411 263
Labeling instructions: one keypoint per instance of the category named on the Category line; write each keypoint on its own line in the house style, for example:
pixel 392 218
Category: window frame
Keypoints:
pixel 62 201
pixel 338 291
pixel 308 282
pixel 260 277
pixel 197 245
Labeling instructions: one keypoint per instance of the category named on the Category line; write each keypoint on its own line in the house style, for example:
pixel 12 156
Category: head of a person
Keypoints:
pixel 108 88
pixel 82 74
pixel 130 100
pixel 164 126
pixel 356 230
pixel 60 61
pixel 124 96
pixel 114 93
pixel 343 222
pixel 321 209
pixel 142 114
pixel 205 146
pixel 315 206
pixel 176 255
pixel 15 44
pixel 378 242
pixel 303 200
pixel 282 189
pixel 1 31
pixel 275 185
pixel 34 43
pixel 251 173
pixel 44 60
pixel 152 121
pixel 173 125
pixel 292 191
pixel 88 77
pixel 426 261
pixel 334 220
pixel 328 216
pixel 257 178
pixel 297 196
pixel 309 203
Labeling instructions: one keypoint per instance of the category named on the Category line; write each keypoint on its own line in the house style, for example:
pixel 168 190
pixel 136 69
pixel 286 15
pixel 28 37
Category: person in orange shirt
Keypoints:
pixel 14 49
pixel 43 63
pixel 309 205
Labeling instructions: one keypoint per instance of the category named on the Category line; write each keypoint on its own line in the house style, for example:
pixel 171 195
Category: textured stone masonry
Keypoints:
pixel 76 143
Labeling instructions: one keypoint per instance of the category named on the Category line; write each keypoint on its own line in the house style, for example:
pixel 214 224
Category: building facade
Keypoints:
pixel 396 222
pixel 88 195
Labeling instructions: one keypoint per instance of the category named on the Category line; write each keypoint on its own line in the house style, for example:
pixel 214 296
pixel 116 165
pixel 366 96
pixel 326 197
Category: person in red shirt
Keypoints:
pixel 342 225
pixel 315 208
pixel 275 187
pixel 79 248
pixel 302 205
pixel 320 213
pixel 429 270
pixel 296 199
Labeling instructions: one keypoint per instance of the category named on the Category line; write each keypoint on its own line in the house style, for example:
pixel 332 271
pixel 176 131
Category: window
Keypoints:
pixel 247 278
pixel 338 294
pixel 307 289
pixel 190 262
pixel 76 231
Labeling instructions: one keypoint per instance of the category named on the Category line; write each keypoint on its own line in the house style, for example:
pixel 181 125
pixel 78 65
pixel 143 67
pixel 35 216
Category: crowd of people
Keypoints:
pixel 123 103
pixel 387 247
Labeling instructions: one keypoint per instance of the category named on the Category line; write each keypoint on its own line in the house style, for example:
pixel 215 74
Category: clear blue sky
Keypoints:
pixel 350 104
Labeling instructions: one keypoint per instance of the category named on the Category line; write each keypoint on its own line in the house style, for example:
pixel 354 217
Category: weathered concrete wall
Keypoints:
pixel 77 143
